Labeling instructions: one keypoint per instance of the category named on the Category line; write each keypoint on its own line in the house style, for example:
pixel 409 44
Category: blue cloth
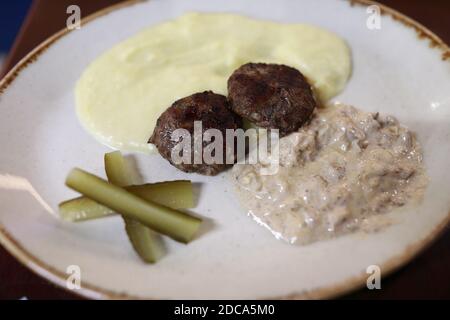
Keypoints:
pixel 12 14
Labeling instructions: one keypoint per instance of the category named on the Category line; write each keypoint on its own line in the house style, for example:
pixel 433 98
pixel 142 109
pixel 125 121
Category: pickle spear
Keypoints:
pixel 117 170
pixel 145 242
pixel 82 209
pixel 175 224
pixel 174 194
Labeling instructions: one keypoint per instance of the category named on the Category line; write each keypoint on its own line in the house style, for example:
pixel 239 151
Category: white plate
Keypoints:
pixel 395 72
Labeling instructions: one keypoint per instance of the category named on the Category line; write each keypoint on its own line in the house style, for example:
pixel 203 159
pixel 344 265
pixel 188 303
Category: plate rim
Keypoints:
pixel 87 290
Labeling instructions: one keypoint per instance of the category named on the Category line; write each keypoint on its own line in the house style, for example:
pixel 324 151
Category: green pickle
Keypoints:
pixel 174 194
pixel 146 243
pixel 82 209
pixel 175 224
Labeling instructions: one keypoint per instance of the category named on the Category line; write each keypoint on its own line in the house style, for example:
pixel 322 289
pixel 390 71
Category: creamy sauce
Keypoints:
pixel 122 93
pixel 337 174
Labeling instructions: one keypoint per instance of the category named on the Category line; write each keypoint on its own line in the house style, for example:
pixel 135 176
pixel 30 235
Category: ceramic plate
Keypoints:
pixel 400 69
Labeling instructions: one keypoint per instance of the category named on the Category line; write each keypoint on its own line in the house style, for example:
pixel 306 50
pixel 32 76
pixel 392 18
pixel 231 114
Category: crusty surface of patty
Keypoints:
pixel 214 113
pixel 271 96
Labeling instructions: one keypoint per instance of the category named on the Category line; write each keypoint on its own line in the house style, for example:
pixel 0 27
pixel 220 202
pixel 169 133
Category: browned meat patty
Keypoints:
pixel 271 96
pixel 210 108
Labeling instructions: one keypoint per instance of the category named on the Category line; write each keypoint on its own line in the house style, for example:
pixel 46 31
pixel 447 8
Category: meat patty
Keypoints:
pixel 271 96
pixel 214 113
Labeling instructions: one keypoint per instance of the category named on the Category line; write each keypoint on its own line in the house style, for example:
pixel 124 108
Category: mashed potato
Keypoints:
pixel 122 93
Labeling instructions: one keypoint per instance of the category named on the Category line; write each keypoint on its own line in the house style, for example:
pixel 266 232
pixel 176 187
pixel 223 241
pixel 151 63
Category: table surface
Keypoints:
pixel 426 277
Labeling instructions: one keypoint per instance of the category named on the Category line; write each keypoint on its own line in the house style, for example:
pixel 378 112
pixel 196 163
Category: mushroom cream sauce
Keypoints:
pixel 337 174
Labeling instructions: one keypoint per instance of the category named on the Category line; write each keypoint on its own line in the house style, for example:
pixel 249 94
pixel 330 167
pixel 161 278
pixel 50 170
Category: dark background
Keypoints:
pixel 25 23
pixel 12 13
